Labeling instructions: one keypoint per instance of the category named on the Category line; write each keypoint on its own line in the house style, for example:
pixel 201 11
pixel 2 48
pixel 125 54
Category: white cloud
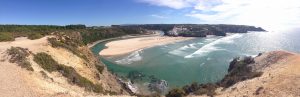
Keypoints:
pixel 275 14
pixel 265 13
pixel 158 16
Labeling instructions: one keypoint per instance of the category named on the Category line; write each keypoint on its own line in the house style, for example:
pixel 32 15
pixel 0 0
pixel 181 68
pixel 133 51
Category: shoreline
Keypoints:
pixel 120 37
pixel 121 47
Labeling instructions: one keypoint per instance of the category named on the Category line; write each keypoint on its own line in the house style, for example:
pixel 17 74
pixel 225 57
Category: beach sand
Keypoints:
pixel 120 47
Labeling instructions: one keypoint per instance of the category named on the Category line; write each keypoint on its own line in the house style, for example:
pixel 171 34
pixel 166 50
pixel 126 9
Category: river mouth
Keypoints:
pixel 202 60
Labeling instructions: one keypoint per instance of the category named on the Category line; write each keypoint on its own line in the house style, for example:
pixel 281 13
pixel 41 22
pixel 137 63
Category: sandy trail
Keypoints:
pixel 120 47
pixel 13 83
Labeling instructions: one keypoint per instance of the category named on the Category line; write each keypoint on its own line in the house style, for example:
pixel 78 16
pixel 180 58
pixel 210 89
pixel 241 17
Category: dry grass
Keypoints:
pixel 18 55
pixel 50 65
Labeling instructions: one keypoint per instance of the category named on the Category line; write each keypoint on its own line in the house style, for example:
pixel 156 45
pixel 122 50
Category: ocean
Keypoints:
pixel 202 60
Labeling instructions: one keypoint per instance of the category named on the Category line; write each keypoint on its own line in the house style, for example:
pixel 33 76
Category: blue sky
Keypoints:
pixel 265 13
pixel 90 12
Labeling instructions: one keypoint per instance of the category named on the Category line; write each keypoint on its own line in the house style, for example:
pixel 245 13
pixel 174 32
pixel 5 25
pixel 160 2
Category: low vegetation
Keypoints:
pixel 87 34
pixel 67 44
pixel 100 68
pixel 33 36
pixel 19 55
pixel 176 93
pixel 50 65
pixel 239 70
pixel 194 88
pixel 5 36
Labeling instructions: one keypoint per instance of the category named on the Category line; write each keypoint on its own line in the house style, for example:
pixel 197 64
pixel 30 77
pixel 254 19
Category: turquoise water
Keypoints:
pixel 201 60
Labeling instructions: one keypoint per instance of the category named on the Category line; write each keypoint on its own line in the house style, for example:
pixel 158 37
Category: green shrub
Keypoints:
pixel 27 65
pixel 18 55
pixel 208 89
pixel 176 93
pixel 100 68
pixel 150 95
pixel 46 62
pixel 6 37
pixel 50 65
pixel 72 47
pixel 33 36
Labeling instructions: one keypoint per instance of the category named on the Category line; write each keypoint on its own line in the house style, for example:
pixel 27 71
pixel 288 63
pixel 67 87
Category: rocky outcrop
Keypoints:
pixel 280 77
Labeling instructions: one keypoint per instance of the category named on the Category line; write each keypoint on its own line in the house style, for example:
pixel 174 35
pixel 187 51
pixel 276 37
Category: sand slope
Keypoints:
pixel 18 82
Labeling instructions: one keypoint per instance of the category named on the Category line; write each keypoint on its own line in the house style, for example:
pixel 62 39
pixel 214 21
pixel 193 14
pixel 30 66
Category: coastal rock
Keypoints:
pixel 158 85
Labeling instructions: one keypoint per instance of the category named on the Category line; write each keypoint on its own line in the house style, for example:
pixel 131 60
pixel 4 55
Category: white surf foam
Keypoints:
pixel 182 51
pixel 200 43
pixel 202 64
pixel 133 57
pixel 192 45
pixel 211 46
pixel 208 58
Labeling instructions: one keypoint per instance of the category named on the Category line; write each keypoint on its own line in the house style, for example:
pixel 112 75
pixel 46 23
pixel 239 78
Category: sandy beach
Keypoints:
pixel 120 47
pixel 121 37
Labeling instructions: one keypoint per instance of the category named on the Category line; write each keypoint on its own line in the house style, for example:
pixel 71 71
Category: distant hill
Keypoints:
pixel 195 30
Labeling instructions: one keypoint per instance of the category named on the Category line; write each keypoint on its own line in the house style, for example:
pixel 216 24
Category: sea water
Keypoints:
pixel 202 60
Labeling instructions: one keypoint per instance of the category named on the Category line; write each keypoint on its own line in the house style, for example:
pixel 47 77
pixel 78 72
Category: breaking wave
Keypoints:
pixel 210 47
pixel 182 51
pixel 133 57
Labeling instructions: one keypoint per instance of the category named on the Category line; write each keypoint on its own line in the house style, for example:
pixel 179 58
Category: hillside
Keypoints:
pixel 194 30
pixel 34 80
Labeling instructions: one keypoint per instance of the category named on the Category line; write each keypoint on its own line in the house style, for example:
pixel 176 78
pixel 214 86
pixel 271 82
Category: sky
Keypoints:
pixel 265 13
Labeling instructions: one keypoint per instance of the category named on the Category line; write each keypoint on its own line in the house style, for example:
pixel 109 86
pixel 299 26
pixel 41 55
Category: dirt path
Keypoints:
pixel 14 80
pixel 13 83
